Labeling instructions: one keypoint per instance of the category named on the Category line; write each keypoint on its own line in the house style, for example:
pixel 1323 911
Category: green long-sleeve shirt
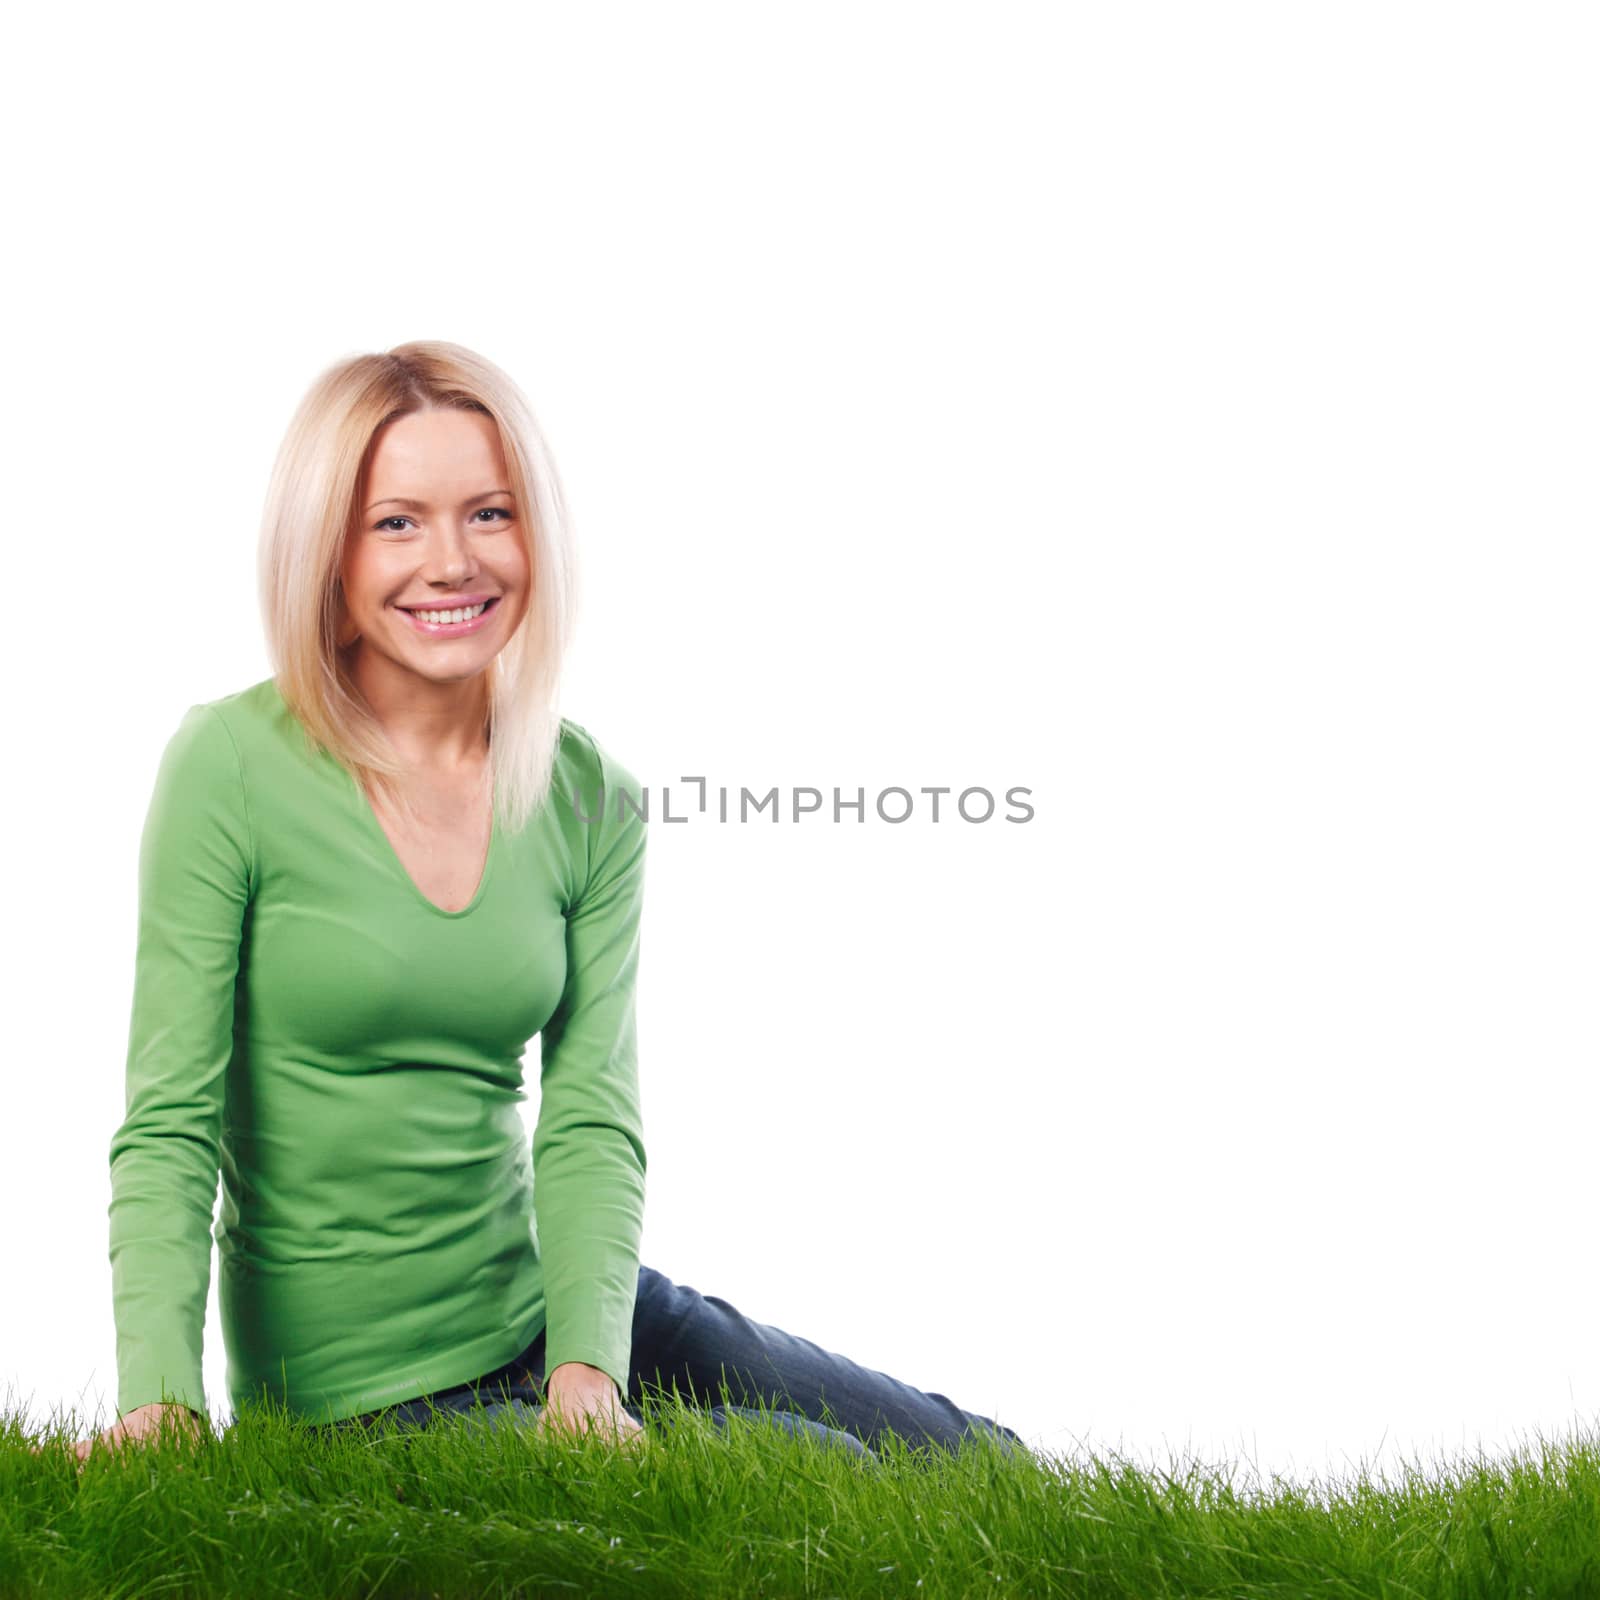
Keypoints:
pixel 349 1057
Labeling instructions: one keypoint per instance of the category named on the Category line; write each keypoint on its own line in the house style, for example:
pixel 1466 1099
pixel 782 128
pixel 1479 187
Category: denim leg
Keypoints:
pixel 788 1421
pixel 502 1414
pixel 791 1423
pixel 519 1384
pixel 684 1338
pixel 513 1391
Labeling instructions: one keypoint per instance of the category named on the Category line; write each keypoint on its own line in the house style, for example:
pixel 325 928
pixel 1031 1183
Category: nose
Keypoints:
pixel 449 557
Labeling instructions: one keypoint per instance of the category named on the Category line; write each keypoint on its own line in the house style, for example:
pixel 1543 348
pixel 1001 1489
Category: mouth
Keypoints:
pixel 467 619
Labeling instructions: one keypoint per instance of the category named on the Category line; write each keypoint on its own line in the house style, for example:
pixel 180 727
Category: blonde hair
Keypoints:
pixel 311 508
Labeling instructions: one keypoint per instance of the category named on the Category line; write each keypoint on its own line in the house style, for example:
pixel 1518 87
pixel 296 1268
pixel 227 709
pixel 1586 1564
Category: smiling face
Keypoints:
pixel 436 526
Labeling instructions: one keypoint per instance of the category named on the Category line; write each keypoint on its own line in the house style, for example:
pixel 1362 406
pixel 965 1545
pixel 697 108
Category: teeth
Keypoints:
pixel 450 616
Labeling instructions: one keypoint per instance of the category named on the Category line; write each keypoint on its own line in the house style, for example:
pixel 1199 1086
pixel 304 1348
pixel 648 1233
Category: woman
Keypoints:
pixel 365 883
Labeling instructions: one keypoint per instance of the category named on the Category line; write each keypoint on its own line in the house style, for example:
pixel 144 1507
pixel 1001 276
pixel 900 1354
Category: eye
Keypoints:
pixel 387 524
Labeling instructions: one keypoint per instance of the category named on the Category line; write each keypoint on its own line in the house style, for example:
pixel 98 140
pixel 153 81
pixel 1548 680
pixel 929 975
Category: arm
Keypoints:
pixel 196 874
pixel 588 1144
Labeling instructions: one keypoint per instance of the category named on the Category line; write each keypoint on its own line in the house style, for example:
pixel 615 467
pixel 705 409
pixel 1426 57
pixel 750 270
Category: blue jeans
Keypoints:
pixel 692 1343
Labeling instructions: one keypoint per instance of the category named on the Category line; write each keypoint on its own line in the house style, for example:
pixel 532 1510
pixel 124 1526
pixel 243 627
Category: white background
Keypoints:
pixel 1188 413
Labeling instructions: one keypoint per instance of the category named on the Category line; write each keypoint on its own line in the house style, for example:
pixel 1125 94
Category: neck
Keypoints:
pixel 434 727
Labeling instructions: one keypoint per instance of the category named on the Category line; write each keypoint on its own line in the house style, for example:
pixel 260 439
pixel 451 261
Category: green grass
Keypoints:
pixel 265 1508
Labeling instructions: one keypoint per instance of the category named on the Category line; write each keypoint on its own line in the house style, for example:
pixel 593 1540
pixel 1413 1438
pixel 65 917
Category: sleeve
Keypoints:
pixel 588 1144
pixel 196 874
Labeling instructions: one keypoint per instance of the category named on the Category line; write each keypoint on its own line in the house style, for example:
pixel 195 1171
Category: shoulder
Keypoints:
pixel 202 741
pixel 213 740
pixel 584 765
pixel 200 810
pixel 269 743
pixel 602 808
pixel 246 712
pixel 228 723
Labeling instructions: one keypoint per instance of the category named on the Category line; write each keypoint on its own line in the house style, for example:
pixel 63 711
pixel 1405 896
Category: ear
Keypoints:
pixel 346 632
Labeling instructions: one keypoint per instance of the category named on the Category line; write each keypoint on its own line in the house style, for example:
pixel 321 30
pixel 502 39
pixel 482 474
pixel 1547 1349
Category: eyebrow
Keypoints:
pixel 422 505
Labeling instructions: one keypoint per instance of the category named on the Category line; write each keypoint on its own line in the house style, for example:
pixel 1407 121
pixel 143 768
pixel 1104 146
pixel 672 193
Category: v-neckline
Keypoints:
pixel 400 867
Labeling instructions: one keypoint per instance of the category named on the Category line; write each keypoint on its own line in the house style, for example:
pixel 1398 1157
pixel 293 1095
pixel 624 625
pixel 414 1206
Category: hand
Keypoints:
pixel 138 1426
pixel 578 1397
